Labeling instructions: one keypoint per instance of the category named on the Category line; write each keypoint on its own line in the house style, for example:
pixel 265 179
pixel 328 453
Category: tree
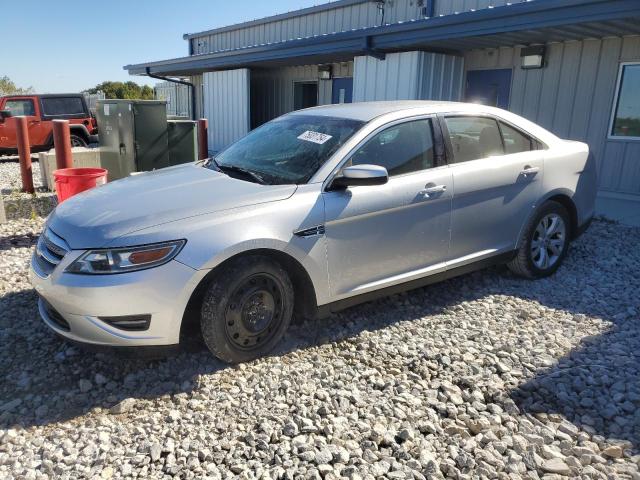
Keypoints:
pixel 124 90
pixel 7 87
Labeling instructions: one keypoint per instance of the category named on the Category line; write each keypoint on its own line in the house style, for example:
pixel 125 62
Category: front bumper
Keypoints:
pixel 72 305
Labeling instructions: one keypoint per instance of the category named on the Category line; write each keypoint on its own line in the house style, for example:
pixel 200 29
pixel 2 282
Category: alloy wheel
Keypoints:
pixel 548 242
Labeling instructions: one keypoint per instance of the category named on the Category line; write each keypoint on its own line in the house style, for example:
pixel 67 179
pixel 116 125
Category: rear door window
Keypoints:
pixel 62 106
pixel 473 138
pixel 515 141
pixel 20 107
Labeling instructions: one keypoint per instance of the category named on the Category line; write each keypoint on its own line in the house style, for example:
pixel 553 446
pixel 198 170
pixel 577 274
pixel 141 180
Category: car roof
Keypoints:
pixel 42 95
pixel 366 111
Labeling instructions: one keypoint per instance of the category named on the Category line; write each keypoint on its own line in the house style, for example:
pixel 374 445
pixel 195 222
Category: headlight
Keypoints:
pixel 120 260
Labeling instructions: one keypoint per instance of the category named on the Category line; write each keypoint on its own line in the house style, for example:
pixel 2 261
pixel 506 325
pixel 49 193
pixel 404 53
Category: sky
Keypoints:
pixel 60 46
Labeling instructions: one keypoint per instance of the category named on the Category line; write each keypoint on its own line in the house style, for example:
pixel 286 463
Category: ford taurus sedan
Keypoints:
pixel 312 212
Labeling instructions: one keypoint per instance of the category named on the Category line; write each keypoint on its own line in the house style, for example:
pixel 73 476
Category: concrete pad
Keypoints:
pixel 626 211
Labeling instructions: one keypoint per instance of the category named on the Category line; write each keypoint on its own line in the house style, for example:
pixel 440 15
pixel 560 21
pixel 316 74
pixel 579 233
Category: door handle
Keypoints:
pixel 530 170
pixel 432 190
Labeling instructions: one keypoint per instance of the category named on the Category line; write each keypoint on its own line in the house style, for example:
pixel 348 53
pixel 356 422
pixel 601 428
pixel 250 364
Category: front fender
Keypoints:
pixel 214 238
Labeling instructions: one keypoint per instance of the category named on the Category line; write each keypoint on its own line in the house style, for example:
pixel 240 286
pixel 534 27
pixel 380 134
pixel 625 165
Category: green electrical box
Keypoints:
pixel 133 136
pixel 183 141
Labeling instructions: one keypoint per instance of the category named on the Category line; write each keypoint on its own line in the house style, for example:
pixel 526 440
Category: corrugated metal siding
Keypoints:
pixel 573 97
pixel 272 90
pixel 177 96
pixel 226 106
pixel 441 77
pixel 449 7
pixel 338 19
pixel 408 76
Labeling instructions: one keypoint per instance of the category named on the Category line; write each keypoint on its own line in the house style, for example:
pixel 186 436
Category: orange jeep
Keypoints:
pixel 40 110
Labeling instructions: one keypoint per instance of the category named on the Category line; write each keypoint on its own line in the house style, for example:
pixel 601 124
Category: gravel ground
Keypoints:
pixel 483 376
pixel 10 179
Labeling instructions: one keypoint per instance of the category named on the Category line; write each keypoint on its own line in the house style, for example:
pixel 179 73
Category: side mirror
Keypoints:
pixel 4 114
pixel 358 175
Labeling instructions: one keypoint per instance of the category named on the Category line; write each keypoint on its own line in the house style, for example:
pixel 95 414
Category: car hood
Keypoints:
pixel 98 216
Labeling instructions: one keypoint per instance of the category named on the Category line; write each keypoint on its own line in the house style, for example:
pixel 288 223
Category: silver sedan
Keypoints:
pixel 312 212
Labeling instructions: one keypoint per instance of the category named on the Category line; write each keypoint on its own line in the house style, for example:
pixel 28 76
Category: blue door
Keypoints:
pixel 342 90
pixel 489 87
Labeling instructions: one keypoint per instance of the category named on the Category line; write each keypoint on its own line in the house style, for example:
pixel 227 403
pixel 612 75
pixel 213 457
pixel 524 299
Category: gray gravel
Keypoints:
pixel 10 179
pixel 484 376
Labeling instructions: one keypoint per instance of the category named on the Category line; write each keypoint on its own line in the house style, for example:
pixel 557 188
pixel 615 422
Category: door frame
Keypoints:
pixel 306 82
pixel 440 144
pixel 484 69
pixel 339 78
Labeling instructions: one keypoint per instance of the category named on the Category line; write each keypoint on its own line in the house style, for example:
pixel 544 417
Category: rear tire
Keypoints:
pixel 78 141
pixel 246 309
pixel 544 243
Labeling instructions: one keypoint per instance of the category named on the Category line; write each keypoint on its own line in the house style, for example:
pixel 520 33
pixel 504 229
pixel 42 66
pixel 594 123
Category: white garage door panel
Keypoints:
pixel 226 106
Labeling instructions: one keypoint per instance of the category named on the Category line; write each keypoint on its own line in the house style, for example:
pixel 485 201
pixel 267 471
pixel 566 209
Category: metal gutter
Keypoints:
pixel 181 82
pixel 432 33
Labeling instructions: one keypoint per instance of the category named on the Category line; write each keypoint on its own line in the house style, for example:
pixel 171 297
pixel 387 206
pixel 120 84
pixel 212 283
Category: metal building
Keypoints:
pixel 572 66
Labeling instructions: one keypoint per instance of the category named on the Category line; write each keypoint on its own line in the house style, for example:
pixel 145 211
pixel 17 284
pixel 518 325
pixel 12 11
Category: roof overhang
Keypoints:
pixel 534 22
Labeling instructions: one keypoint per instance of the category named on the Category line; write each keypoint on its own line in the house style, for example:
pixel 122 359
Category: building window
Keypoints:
pixel 625 121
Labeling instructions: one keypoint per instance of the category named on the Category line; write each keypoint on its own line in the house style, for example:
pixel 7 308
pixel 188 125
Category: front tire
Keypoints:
pixel 246 309
pixel 544 244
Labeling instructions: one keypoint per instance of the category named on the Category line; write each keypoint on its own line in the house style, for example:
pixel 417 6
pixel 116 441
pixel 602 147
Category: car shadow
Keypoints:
pixel 18 241
pixel 594 384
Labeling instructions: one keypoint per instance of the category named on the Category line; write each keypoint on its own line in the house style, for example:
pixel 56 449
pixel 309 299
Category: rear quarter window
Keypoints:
pixel 62 106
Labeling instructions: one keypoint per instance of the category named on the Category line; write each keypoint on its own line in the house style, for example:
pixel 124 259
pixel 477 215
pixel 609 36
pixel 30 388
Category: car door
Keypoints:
pixel 497 171
pixel 20 107
pixel 387 234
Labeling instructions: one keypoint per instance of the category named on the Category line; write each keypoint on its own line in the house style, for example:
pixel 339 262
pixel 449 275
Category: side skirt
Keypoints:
pixel 326 310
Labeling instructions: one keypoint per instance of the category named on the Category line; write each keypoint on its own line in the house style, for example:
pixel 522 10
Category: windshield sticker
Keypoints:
pixel 315 137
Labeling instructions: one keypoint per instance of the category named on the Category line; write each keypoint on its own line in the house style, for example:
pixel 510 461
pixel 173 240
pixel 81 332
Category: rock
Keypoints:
pixel 155 450
pixel 107 472
pixel 124 406
pixel 478 425
pixel 85 385
pixel 613 451
pixel 556 465
pixel 323 456
pixel 290 429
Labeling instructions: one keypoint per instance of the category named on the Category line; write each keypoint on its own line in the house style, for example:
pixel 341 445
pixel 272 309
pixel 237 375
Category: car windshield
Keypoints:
pixel 288 150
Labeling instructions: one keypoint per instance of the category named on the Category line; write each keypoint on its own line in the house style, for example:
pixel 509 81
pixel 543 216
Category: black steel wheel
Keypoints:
pixel 78 141
pixel 247 308
pixel 255 311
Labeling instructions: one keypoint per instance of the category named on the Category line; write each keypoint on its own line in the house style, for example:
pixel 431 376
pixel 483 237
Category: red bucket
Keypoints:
pixel 70 181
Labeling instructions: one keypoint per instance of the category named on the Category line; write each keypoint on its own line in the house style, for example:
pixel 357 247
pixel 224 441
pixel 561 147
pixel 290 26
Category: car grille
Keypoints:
pixel 50 250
